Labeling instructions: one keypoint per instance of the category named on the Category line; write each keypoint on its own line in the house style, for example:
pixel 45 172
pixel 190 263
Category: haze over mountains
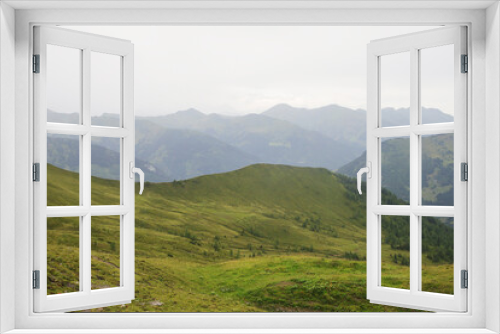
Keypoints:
pixel 189 143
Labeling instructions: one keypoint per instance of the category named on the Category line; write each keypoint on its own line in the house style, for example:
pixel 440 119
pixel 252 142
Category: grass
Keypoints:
pixel 265 238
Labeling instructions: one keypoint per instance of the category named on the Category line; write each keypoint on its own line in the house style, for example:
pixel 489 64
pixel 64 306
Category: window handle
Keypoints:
pixel 368 171
pixel 134 170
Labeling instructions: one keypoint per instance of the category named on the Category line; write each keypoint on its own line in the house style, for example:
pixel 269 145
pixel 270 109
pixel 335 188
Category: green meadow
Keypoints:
pixel 265 238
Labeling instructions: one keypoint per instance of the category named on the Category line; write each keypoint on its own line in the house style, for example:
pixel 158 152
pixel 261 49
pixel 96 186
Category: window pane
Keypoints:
pixel 437 170
pixel 63 168
pixel 396 252
pixel 437 255
pixel 437 84
pixel 63 255
pixel 395 160
pixel 64 74
pixel 105 89
pixel 105 171
pixel 395 89
pixel 105 252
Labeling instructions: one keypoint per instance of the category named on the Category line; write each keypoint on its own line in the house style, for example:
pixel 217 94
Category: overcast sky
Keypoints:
pixel 238 70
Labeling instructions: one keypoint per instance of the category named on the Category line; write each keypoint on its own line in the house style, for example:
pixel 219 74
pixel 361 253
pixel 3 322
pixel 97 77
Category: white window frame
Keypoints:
pixel 412 44
pixel 484 47
pixel 85 298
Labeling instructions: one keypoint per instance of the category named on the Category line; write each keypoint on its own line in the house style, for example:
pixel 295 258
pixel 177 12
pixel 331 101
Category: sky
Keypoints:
pixel 237 70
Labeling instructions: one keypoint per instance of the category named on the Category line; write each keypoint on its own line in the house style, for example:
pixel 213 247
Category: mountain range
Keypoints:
pixel 63 152
pixel 348 125
pixel 190 143
pixel 268 139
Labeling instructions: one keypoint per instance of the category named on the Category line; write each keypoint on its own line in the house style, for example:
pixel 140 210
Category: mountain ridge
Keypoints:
pixel 270 139
pixel 189 143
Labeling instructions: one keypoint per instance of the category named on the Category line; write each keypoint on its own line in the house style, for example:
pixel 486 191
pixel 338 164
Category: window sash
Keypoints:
pixel 414 298
pixel 86 298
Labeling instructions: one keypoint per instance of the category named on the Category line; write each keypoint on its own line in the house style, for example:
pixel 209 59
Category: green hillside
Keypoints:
pixel 263 238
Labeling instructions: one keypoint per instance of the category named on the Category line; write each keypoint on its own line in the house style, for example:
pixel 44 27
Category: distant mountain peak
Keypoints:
pixel 333 106
pixel 190 112
pixel 280 107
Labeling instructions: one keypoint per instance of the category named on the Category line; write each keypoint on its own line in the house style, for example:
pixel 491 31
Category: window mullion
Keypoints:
pixel 414 171
pixel 85 236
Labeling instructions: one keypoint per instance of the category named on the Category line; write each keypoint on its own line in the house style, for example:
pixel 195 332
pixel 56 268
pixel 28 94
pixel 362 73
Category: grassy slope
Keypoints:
pixel 263 238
